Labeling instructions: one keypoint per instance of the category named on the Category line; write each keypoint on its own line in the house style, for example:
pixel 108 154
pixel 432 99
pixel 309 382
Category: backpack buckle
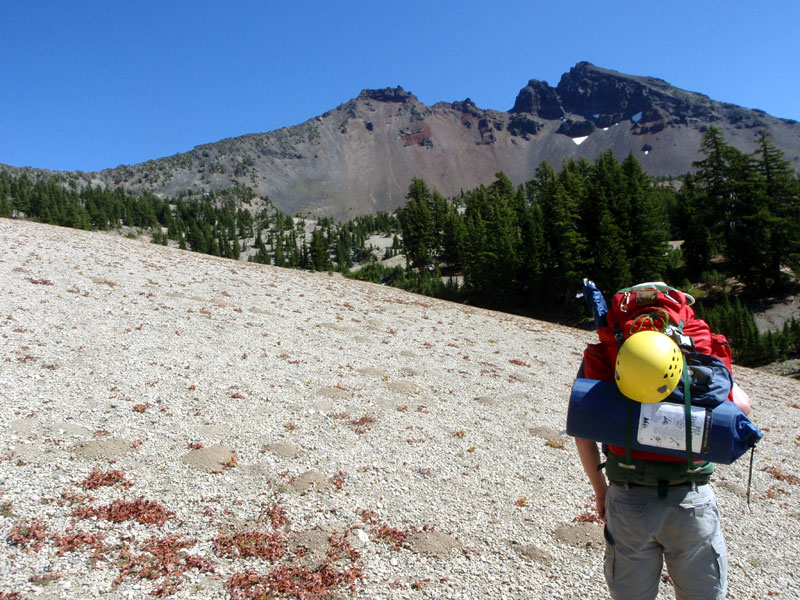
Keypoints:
pixel 684 342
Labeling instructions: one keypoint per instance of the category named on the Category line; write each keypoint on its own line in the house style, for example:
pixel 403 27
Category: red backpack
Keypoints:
pixel 649 306
pixel 707 379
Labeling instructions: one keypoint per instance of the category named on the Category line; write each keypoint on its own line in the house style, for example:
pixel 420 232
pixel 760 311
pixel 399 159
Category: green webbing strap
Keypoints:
pixel 663 488
pixel 629 434
pixel 628 464
pixel 687 404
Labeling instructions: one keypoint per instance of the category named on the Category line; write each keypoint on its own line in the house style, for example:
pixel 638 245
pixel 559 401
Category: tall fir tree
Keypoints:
pixel 418 225
pixel 647 246
pixel 781 187
pixel 564 243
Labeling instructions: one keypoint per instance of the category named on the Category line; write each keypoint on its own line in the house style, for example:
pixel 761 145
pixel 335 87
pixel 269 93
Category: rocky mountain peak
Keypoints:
pixel 397 94
pixel 538 98
pixel 466 106
pixel 604 95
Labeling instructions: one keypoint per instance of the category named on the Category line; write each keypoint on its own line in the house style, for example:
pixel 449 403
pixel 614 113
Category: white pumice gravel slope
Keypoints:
pixel 176 423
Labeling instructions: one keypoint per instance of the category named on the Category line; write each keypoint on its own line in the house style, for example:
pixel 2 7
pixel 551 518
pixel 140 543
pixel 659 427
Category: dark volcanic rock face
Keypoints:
pixel 588 91
pixel 576 129
pixel 397 94
pixel 538 98
pixel 523 126
pixel 606 97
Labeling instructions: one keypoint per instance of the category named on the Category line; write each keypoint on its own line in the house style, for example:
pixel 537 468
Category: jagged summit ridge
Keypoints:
pixel 605 97
pixel 396 94
pixel 360 156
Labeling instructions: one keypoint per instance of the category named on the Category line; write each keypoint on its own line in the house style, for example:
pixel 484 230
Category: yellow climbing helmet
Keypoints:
pixel 649 366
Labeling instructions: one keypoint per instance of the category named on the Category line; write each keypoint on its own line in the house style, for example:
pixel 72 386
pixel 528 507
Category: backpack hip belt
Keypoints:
pixel 656 473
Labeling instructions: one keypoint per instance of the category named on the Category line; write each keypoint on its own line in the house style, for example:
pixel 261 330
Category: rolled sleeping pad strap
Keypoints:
pixel 597 411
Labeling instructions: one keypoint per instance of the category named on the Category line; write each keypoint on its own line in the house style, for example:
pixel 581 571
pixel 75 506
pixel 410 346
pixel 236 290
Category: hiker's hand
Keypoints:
pixel 600 504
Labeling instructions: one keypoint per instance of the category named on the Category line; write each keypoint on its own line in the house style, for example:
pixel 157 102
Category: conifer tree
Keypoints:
pixel 698 246
pixel 532 245
pixel 418 225
pixel 236 251
pixel 564 264
pixel 454 239
pixel 720 201
pixel 781 188
pixel 605 223
pixel 493 269
pixel 343 260
pixel 278 251
pixel 319 252
pixel 647 247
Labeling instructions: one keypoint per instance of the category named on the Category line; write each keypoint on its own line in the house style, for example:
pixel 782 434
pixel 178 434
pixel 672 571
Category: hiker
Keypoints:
pixel 655 507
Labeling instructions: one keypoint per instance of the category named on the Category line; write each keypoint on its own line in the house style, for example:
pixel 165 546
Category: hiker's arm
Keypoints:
pixel 590 459
pixel 740 398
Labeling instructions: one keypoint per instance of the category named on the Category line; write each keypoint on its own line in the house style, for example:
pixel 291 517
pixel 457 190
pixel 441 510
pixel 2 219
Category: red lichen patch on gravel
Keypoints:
pixel 98 479
pixel 587 517
pixel 338 570
pixel 161 558
pixel 28 536
pixel 251 544
pixel 276 515
pixel 292 582
pixel 391 535
pixel 141 510
pixel 778 473
pixel 39 281
pixel 339 479
pixel 73 541
pixel 362 424
pixel 382 532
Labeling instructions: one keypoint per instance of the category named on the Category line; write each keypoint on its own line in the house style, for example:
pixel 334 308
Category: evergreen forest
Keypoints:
pixel 729 232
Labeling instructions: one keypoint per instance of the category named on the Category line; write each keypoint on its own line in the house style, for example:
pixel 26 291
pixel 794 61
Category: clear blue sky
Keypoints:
pixel 87 85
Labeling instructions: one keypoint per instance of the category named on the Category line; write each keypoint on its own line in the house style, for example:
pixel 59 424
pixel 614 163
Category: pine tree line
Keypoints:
pixel 526 248
pixel 744 208
pixel 217 223
pixel 751 347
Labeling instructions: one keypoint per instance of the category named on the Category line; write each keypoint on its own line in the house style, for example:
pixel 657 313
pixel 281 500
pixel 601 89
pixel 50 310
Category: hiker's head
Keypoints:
pixel 649 367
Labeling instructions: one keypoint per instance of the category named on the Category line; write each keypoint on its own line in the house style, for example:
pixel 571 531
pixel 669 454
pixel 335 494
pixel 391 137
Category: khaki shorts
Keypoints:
pixel 682 529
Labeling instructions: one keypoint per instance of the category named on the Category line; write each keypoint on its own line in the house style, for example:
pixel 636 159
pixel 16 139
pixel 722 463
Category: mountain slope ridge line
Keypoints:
pixel 360 157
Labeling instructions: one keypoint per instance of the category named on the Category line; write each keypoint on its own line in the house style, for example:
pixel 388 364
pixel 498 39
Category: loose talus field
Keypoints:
pixel 201 428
